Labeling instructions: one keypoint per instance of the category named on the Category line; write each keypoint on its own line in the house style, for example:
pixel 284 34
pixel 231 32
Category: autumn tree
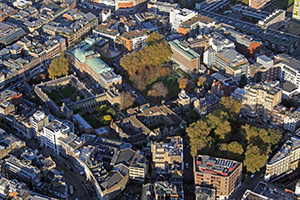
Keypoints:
pixel 126 100
pixel 145 65
pixel 201 81
pixel 229 105
pixel 59 66
pixel 161 89
pixel 275 135
pixel 182 83
pixel 254 159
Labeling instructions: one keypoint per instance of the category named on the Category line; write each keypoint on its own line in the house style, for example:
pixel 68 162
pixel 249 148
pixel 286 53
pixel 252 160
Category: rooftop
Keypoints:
pixel 184 49
pixel 197 19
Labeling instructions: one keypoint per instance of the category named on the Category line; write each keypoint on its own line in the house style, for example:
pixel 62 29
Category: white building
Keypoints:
pixel 51 134
pixel 138 167
pixel 292 121
pixel 177 16
pixel 290 69
pixel 37 122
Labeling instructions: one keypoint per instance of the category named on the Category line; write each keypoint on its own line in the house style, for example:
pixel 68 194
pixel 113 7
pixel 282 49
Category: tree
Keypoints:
pixel 102 109
pixel 229 105
pixel 105 119
pixel 254 159
pixel 201 81
pixel 126 100
pixel 161 89
pixel 154 38
pixel 182 83
pixel 59 66
pixel 235 148
pixel 275 136
pixel 111 111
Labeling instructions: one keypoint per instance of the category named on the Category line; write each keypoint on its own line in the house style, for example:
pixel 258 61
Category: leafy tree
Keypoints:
pixel 235 147
pixel 102 109
pixel 275 136
pixel 183 83
pixel 254 159
pixel 59 66
pixel 111 111
pixel 105 119
pixel 229 105
pixel 126 100
pixel 201 81
pixel 161 89
pixel 154 38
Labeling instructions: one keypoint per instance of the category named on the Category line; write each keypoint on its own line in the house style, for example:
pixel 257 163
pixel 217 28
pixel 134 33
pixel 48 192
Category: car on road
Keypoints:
pixel 187 165
pixel 252 176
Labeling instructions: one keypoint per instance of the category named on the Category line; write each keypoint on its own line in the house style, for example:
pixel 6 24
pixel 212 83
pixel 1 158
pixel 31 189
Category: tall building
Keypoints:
pixel 261 99
pixel 296 10
pixel 37 122
pixel 222 174
pixel 187 59
pixel 287 158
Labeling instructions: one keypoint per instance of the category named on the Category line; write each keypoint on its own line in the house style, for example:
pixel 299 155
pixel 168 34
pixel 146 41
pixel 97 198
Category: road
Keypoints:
pixel 139 98
pixel 188 174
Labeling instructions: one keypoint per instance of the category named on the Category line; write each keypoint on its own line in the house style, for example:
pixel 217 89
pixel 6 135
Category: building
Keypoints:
pixel 263 70
pixel 84 126
pixel 205 193
pixel 127 7
pixel 244 44
pixel 290 70
pixel 10 33
pixel 296 10
pixel 207 104
pixel 134 40
pixel 138 167
pixel 166 190
pixel 274 21
pixel 287 158
pixel 72 25
pixel 37 122
pixel 161 7
pixel 258 4
pixel 108 30
pixel 231 62
pixel 187 59
pixel 222 174
pixel 6 11
pixel 197 25
pixel 51 134
pixel 260 99
pixel 165 155
pixel 85 59
pixel 177 16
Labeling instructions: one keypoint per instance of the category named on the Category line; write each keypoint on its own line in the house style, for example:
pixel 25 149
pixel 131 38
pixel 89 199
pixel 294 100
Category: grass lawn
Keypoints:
pixel 92 120
pixel 171 82
pixel 55 96
pixel 67 91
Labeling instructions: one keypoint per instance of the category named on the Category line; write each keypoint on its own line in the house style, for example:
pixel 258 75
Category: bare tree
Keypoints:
pixel 126 100
pixel 161 89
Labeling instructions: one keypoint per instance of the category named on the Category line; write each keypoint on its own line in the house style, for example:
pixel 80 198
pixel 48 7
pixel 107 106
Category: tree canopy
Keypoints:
pixel 59 66
pixel 145 65
pixel 126 100
pixel 229 105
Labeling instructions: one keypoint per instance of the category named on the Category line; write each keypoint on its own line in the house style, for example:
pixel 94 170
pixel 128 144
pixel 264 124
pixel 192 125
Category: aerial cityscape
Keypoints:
pixel 149 99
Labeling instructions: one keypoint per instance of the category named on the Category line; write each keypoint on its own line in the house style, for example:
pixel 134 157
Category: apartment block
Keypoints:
pixel 261 99
pixel 274 21
pixel 187 59
pixel 134 40
pixel 222 174
pixel 166 154
pixel 287 158
pixel 198 25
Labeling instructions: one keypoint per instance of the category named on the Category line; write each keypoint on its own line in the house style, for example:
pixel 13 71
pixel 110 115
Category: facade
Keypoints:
pixel 289 69
pixel 188 59
pixel 231 62
pixel 127 7
pixel 222 174
pixel 274 21
pixel 138 167
pixel 37 122
pixel 261 99
pixel 134 40
pixel 85 59
pixel 258 4
pixel 166 154
pixel 287 158
pixel 207 104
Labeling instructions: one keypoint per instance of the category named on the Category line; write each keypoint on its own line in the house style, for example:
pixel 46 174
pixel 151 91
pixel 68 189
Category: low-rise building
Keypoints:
pixel 222 174
pixel 10 33
pixel 138 167
pixel 134 40
pixel 274 21
pixel 84 126
pixel 205 193
pixel 207 104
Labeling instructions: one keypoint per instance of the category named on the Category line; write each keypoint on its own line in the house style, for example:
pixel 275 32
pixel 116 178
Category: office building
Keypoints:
pixel 260 99
pixel 222 174
pixel 177 16
pixel 258 4
pixel 187 59
pixel 37 122
pixel 287 158
pixel 138 167
pixel 290 69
